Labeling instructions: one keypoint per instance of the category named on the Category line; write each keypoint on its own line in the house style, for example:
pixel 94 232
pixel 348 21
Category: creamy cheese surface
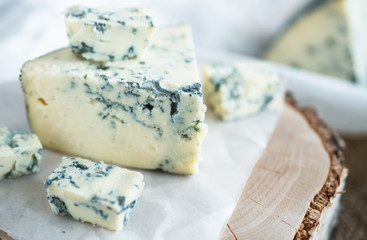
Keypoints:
pixel 145 114
pixel 94 192
pixel 101 34
pixel 357 19
pixel 317 41
pixel 20 153
pixel 242 89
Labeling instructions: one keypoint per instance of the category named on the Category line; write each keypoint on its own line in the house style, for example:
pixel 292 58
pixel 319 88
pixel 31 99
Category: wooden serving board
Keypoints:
pixel 293 182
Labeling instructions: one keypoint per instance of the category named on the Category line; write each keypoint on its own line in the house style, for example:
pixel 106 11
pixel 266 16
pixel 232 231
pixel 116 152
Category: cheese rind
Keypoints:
pixel 243 89
pixel 108 34
pixel 20 153
pixel 94 192
pixel 144 114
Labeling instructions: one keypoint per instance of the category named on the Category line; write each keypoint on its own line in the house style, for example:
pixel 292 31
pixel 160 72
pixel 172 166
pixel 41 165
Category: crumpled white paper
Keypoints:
pixel 171 206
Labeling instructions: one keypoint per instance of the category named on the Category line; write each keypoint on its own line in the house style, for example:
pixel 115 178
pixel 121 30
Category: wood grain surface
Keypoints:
pixel 284 181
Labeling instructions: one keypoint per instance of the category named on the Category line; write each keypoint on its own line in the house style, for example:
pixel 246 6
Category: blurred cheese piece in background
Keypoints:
pixel 234 91
pixel 357 23
pixel 108 34
pixel 328 37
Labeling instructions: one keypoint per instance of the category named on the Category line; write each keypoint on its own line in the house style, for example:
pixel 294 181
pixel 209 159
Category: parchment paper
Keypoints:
pixel 171 207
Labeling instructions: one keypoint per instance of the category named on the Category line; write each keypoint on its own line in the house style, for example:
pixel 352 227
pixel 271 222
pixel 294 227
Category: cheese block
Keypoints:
pixel 241 89
pixel 100 34
pixel 326 38
pixel 20 153
pixel 144 114
pixel 94 192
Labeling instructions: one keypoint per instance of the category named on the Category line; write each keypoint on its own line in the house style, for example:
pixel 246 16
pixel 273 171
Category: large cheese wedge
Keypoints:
pixel 144 114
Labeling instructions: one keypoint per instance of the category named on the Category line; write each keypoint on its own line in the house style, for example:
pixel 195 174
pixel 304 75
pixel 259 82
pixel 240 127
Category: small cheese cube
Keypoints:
pixel 108 34
pixel 20 153
pixel 94 192
pixel 242 89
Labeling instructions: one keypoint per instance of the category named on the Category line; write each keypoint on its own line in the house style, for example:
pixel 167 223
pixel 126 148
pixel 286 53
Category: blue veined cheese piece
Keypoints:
pixel 357 19
pixel 94 192
pixel 242 89
pixel 317 40
pixel 143 114
pixel 326 38
pixel 100 34
pixel 20 153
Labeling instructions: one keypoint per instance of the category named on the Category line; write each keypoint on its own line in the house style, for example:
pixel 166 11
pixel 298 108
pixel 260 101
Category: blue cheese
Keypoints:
pixel 143 114
pixel 94 192
pixel 242 89
pixel 326 39
pixel 100 34
pixel 20 153
pixel 357 19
